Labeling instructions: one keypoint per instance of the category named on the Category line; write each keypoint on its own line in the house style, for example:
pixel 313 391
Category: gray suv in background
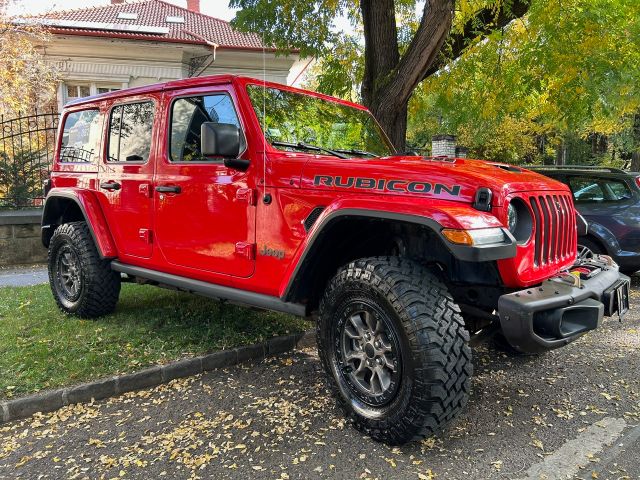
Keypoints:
pixel 609 199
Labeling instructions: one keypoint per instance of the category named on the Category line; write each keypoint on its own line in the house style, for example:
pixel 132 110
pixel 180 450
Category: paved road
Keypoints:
pixel 550 415
pixel 23 276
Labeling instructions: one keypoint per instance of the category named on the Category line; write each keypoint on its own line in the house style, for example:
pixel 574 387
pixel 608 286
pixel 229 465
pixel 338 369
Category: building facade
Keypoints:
pixel 129 44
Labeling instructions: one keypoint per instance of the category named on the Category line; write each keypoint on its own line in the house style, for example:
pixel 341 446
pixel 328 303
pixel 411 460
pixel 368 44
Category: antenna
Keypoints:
pixel 265 197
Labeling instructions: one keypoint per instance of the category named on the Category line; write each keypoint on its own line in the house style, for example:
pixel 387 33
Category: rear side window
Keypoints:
pixel 187 117
pixel 130 132
pixel 599 189
pixel 81 137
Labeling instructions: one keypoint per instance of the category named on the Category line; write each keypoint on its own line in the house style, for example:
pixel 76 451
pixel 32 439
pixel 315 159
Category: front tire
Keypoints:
pixel 395 349
pixel 82 283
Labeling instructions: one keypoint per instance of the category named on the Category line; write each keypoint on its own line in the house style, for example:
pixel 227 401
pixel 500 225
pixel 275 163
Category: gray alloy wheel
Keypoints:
pixel 584 252
pixel 367 350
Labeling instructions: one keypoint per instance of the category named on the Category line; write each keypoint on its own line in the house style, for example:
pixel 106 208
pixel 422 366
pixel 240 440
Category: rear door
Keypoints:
pixel 205 212
pixel 126 174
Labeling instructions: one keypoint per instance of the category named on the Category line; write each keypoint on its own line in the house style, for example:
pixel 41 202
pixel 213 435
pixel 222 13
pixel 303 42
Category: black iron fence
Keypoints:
pixel 27 144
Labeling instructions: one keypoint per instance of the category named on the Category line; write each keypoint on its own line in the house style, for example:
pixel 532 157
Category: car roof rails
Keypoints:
pixel 577 167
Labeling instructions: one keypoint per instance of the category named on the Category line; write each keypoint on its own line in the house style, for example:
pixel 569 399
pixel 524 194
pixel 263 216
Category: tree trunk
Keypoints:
pixel 561 153
pixel 635 155
pixel 389 80
pixel 635 161
pixel 394 123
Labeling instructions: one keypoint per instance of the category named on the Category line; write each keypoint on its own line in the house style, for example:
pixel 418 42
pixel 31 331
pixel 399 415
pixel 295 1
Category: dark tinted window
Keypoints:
pixel 81 136
pixel 130 132
pixel 187 117
pixel 598 189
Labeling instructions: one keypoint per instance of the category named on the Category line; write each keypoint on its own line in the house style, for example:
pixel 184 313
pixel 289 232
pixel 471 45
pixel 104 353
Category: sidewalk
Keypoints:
pixel 23 276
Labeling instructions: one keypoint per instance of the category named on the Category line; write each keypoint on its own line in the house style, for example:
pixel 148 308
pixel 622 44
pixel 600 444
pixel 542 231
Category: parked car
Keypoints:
pixel 609 199
pixel 289 200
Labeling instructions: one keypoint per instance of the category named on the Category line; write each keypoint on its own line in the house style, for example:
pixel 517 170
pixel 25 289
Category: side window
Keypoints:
pixel 130 132
pixel 599 189
pixel 81 136
pixel 188 115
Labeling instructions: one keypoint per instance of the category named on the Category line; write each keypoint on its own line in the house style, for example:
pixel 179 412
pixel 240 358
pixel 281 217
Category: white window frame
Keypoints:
pixel 63 97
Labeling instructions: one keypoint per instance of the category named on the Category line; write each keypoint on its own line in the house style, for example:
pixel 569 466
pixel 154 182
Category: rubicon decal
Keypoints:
pixel 383 184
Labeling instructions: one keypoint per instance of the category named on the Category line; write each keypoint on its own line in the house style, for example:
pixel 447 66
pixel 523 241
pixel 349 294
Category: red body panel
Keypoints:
pixel 218 228
pixel 88 203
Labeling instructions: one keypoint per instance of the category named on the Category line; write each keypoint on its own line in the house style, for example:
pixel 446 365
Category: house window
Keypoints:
pixel 107 89
pixel 75 91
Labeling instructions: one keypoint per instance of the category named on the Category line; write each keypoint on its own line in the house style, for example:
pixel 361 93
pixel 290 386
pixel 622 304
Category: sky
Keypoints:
pixel 214 8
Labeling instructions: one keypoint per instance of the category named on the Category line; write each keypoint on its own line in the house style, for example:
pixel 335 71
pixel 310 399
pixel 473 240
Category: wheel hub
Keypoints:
pixel 68 277
pixel 368 353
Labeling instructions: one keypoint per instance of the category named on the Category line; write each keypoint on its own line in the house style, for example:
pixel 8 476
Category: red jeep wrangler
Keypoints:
pixel 288 200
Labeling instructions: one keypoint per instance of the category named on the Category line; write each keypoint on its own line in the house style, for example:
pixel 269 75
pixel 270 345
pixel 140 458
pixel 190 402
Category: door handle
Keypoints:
pixel 110 186
pixel 168 189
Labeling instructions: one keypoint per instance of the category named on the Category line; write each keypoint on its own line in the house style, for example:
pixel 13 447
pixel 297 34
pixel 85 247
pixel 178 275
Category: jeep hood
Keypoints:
pixel 444 178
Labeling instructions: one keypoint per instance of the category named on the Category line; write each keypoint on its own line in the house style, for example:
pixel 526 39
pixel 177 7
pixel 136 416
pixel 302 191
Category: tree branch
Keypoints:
pixel 481 25
pixel 421 53
pixel 381 43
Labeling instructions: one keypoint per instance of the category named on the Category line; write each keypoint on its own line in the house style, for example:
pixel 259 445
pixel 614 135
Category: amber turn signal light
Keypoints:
pixel 460 237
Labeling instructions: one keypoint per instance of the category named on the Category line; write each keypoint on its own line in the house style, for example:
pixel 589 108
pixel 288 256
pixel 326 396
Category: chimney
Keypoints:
pixel 443 146
pixel 462 152
pixel 116 2
pixel 193 6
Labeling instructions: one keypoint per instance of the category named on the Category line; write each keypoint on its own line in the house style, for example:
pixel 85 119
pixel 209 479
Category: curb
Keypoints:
pixel 150 377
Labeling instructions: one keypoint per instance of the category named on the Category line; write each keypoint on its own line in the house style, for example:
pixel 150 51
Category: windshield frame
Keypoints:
pixel 320 97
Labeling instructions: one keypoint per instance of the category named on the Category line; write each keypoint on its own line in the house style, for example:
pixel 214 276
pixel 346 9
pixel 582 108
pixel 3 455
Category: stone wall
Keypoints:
pixel 20 242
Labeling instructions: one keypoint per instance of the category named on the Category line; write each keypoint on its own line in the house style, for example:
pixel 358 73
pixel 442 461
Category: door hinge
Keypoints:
pixel 247 250
pixel 145 235
pixel 247 194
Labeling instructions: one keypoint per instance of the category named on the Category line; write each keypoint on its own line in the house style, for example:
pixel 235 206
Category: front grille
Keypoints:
pixel 554 225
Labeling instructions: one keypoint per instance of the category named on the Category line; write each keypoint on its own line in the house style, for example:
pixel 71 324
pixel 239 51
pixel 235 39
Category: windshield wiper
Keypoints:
pixel 306 146
pixel 354 151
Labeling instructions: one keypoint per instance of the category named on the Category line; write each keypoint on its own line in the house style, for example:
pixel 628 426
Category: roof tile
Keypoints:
pixel 154 13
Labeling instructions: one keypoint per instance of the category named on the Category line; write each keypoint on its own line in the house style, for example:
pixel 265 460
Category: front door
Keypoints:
pixel 205 212
pixel 126 174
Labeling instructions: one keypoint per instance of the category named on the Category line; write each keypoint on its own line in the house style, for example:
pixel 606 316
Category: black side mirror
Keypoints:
pixel 223 140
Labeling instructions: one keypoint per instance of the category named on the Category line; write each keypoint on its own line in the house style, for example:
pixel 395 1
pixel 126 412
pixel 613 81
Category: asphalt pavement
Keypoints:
pixel 23 276
pixel 570 413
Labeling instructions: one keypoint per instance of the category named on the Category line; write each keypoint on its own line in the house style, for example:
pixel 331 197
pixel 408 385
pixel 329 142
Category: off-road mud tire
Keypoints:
pixel 436 365
pixel 99 286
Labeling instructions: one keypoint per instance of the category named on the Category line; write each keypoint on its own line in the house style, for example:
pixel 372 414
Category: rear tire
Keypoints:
pixel 82 283
pixel 395 321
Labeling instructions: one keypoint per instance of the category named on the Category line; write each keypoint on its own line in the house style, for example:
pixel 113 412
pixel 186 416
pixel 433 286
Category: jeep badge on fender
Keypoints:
pixel 398 258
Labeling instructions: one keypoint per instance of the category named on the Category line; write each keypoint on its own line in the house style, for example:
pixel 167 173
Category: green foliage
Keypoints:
pixel 21 175
pixel 40 347
pixel 292 24
pixel 339 71
pixel 568 69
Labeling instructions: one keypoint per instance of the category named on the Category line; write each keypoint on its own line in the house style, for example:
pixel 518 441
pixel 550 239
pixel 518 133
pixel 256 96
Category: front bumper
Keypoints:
pixel 564 307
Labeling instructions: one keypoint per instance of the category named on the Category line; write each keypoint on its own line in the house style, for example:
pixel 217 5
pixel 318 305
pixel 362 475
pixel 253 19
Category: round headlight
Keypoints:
pixel 512 218
pixel 519 220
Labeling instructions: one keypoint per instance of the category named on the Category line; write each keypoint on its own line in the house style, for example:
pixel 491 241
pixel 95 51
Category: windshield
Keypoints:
pixel 295 121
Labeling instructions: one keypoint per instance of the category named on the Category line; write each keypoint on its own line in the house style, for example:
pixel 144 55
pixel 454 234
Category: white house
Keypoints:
pixel 138 42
